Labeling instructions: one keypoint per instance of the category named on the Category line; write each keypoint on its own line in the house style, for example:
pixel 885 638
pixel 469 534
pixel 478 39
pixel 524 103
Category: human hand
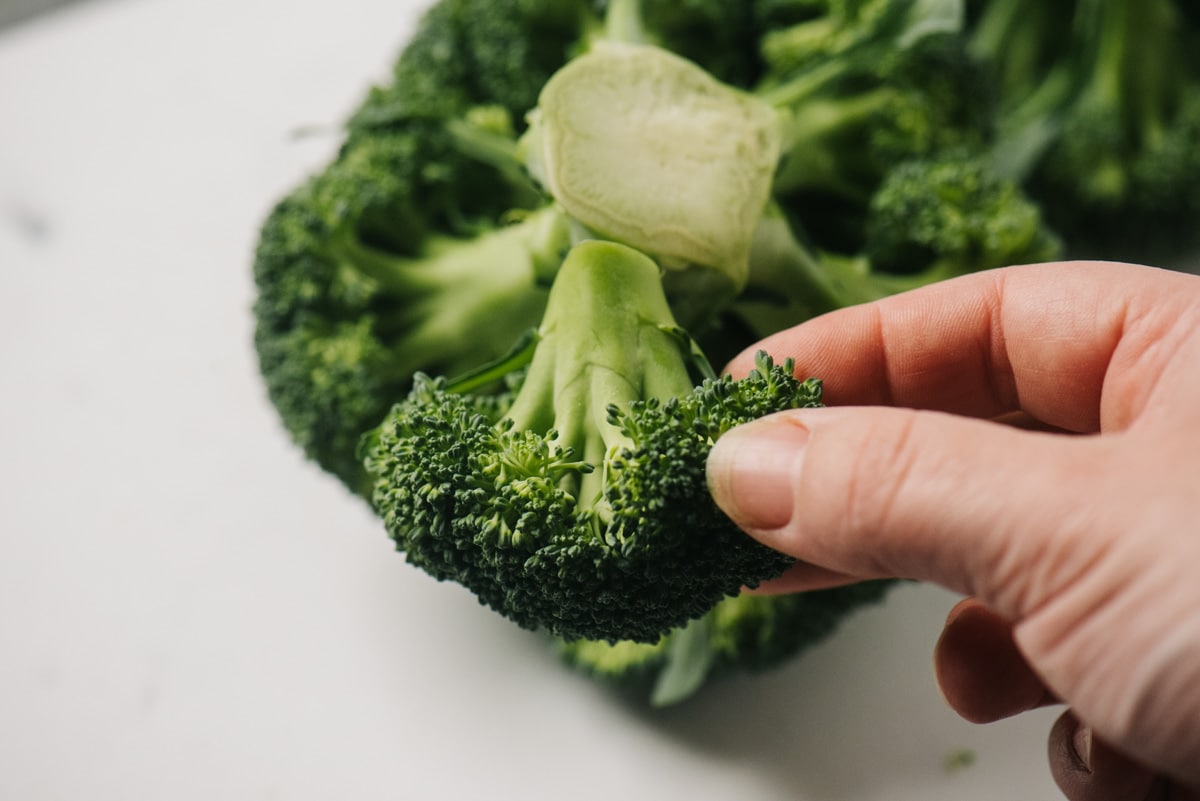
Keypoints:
pixel 1079 555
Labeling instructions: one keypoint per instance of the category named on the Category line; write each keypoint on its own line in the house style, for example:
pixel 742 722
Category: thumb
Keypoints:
pixel 975 506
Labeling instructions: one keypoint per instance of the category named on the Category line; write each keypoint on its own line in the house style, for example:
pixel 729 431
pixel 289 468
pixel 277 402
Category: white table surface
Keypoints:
pixel 188 610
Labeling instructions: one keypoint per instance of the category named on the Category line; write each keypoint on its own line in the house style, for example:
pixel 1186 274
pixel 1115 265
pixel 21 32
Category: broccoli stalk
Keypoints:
pixel 583 510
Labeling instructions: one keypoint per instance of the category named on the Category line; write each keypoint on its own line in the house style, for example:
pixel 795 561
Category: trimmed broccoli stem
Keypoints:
pixel 625 140
pixel 608 337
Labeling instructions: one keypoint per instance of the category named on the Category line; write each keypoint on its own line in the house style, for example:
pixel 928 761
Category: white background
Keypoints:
pixel 188 610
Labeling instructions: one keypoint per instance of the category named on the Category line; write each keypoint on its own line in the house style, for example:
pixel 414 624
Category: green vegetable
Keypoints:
pixel 861 87
pixel 1100 112
pixel 583 510
pixel 643 147
pixel 743 632
pixel 752 164
pixel 929 220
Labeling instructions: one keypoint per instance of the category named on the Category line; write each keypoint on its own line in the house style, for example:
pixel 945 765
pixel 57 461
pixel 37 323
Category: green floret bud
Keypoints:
pixel 584 509
pixel 953 215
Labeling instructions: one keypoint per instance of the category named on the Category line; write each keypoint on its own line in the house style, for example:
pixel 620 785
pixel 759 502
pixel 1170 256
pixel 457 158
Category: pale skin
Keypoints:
pixel 1030 438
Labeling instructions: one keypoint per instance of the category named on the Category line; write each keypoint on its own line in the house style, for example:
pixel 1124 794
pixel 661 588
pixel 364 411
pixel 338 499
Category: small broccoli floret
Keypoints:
pixel 471 52
pixel 952 215
pixel 930 220
pixel 863 86
pixel 741 633
pixel 1097 96
pixel 584 509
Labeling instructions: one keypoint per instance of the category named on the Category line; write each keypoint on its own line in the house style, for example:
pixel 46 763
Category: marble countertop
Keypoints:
pixel 188 610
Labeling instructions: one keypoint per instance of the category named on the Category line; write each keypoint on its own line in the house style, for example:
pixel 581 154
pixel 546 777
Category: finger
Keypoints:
pixel 1043 338
pixel 982 674
pixel 874 493
pixel 1086 769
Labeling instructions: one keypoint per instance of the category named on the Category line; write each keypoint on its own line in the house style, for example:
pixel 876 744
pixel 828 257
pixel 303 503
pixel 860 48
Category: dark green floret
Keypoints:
pixel 584 510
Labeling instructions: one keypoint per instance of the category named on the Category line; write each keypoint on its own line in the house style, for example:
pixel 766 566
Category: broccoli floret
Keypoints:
pixel 584 510
pixel 472 52
pixel 395 258
pixel 743 632
pixel 1098 100
pixel 930 220
pixel 864 86
pixel 361 283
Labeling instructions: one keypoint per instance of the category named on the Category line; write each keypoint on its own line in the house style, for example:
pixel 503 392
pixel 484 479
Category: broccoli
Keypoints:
pixel 1100 113
pixel 395 257
pixel 609 175
pixel 643 147
pixel 931 219
pixel 720 37
pixel 345 318
pixel 741 633
pixel 583 510
pixel 863 86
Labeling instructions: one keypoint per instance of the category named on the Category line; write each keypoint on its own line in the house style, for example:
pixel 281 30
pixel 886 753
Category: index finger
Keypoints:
pixel 1039 339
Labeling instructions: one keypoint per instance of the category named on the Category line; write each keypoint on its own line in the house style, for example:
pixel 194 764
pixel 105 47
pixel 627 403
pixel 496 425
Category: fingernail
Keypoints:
pixel 1082 741
pixel 752 471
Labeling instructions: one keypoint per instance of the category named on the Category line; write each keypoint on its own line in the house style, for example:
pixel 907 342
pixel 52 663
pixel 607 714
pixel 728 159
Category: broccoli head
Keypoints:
pixel 584 509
